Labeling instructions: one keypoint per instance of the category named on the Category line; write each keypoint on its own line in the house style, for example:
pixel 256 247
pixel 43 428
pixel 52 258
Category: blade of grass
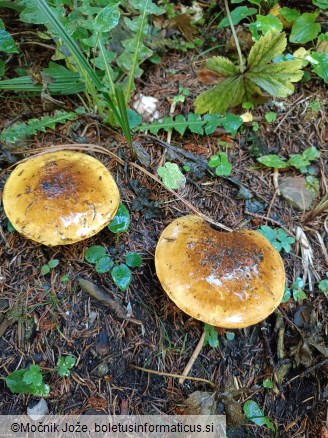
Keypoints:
pixel 136 54
pixel 120 98
pixel 93 83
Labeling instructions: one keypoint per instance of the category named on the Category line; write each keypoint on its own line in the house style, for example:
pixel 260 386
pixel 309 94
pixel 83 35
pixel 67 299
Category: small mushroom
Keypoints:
pixel 60 197
pixel 228 280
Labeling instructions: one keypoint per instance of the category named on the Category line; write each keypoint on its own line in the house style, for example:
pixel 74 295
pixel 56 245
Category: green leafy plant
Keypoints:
pixel 270 117
pixel 195 123
pixel 97 255
pixel 211 336
pixel 30 381
pixel 296 291
pixel 172 176
pixel 255 414
pixel 221 163
pixel 19 130
pixel 7 43
pixel 299 161
pixel 267 383
pixel 278 237
pixel 65 364
pixel 245 83
pixel 45 269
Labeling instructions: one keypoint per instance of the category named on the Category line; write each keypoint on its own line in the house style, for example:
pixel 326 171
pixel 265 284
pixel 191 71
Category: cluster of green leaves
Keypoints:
pixel 323 285
pixel 172 176
pixel 19 130
pixel 296 291
pixel 244 85
pixel 211 336
pixel 304 28
pixel 279 238
pixel 45 269
pixel 97 254
pixel 195 123
pixel 221 163
pixel 299 161
pixel 30 381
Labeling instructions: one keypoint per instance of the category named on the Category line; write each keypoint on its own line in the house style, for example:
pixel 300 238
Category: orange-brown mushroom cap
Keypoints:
pixel 229 280
pixel 60 197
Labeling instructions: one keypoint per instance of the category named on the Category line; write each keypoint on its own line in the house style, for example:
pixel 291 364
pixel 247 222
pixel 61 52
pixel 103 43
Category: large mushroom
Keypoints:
pixel 228 280
pixel 60 198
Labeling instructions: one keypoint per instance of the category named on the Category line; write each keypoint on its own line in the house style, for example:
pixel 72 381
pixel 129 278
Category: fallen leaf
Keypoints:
pixel 184 24
pixel 201 403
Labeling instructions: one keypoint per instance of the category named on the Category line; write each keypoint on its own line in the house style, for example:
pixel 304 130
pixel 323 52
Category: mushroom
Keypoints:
pixel 60 198
pixel 228 280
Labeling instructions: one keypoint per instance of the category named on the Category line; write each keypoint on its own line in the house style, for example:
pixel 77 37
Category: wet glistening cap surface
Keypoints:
pixel 60 197
pixel 229 280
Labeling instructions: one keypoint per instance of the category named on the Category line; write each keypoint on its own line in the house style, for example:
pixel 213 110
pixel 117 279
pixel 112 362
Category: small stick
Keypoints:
pixel 194 356
pixel 161 373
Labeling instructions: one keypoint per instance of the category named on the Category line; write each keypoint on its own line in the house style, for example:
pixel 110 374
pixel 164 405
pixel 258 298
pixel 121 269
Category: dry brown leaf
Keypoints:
pixel 97 402
pixel 201 403
pixel 209 77
pixel 183 23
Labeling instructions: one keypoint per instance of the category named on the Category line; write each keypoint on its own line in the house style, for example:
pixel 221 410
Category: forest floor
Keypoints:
pixel 44 317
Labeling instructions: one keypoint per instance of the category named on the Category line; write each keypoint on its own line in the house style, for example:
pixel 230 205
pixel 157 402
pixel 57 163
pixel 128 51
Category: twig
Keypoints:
pixel 193 357
pixel 307 371
pixel 175 376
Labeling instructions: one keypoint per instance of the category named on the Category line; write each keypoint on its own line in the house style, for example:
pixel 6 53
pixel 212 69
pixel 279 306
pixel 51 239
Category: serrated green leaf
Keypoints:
pixel 121 221
pixel 276 79
pixel 254 413
pixel 321 68
pixel 237 15
pixel 305 29
pixel 172 176
pixel 273 161
pixel 27 382
pixel 103 264
pixel 133 259
pixel 268 23
pixel 121 276
pixel 266 48
pixel 217 100
pixel 222 65
pixel 94 253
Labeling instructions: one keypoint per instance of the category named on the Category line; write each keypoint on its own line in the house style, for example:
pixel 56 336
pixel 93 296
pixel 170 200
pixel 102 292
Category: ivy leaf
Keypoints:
pixel 94 253
pixel 121 276
pixel 305 29
pixel 237 15
pixel 121 221
pixel 133 259
pixel 254 413
pixel 273 161
pixel 172 176
pixel 103 264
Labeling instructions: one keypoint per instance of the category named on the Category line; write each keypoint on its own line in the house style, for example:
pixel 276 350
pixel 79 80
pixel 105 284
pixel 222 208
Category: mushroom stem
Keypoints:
pixel 194 356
